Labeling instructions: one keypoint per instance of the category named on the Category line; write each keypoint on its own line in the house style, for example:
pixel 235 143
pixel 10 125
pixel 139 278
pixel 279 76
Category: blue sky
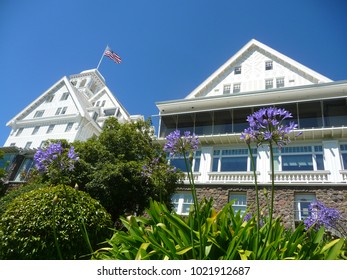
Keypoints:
pixel 168 47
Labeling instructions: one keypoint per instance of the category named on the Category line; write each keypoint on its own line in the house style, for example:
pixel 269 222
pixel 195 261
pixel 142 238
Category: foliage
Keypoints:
pixel 56 161
pixel 13 193
pixel 26 228
pixel 123 168
pixel 225 236
pixel 2 175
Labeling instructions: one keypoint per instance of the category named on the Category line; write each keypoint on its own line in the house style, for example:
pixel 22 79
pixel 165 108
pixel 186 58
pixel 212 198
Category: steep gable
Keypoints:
pixel 256 67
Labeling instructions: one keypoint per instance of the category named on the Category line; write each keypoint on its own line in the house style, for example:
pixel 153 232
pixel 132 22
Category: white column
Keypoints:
pixel 263 164
pixel 205 162
pixel 332 160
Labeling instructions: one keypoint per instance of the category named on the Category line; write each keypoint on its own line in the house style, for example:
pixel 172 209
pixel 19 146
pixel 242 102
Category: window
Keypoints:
pixel 49 98
pixel 35 130
pixel 280 82
pixel 69 126
pixel 95 116
pixel 74 82
pixel 301 205
pixel 269 83
pixel 232 160
pixel 50 128
pixel 24 170
pixel 182 201
pixel 19 131
pixel 236 88
pixel 39 114
pixel 226 89
pixel 97 104
pixel 63 111
pixel 64 96
pixel 82 84
pixel 300 158
pixel 343 149
pixel 237 70
pixel 239 201
pixel 27 145
pixel 179 162
pixel 103 103
pixel 58 111
pixel 12 144
pixel 110 112
pixel 268 65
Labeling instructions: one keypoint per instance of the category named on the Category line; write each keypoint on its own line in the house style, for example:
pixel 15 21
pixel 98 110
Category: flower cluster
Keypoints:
pixel 181 145
pixel 266 126
pixel 54 155
pixel 320 215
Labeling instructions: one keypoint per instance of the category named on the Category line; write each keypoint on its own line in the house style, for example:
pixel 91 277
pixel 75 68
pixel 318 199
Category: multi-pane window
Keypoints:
pixel 233 160
pixel 226 89
pixel 50 128
pixel 95 116
pixel 302 202
pixel 239 201
pixel 24 170
pixel 103 103
pixel 280 82
pixel 268 65
pixel 269 83
pixel 237 70
pixel 35 130
pixel 179 162
pixel 68 126
pixel 63 111
pixel 58 111
pixel 236 88
pixel 182 202
pixel 19 131
pixel 39 113
pixel 343 149
pixel 64 96
pixel 299 158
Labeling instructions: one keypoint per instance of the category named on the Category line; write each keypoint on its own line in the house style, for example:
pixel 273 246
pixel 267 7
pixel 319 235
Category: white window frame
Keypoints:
pixel 269 84
pixel 280 82
pixel 226 89
pixel 238 70
pixel 19 131
pixel 301 213
pixel 343 151
pixel 195 163
pixel 69 126
pixel 229 153
pixel 312 150
pixel 39 113
pixel 268 65
pixel 50 128
pixel 239 204
pixel 35 130
pixel 236 87
pixel 182 201
pixel 64 96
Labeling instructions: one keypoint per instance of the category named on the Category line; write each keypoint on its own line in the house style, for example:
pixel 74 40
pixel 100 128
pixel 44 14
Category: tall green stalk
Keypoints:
pixel 56 243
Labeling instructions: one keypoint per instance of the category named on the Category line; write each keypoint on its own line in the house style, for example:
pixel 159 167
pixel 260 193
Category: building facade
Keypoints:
pixel 312 167
pixel 74 108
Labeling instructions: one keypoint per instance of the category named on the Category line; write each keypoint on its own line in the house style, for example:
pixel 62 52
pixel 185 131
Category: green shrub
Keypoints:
pixel 27 229
pixel 12 194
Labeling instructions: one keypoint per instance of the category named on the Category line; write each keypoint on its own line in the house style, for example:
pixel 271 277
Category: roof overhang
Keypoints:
pixel 256 98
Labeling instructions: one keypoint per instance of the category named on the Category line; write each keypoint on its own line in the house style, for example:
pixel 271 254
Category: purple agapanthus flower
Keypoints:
pixel 178 144
pixel 266 126
pixel 320 215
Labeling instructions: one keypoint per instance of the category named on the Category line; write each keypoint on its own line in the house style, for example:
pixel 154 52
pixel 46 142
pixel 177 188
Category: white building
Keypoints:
pixel 73 108
pixel 312 167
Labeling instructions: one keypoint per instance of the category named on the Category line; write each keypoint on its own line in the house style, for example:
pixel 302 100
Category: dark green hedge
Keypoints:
pixel 26 228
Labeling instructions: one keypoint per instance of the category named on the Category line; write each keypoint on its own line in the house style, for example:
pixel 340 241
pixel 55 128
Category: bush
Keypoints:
pixel 13 193
pixel 27 229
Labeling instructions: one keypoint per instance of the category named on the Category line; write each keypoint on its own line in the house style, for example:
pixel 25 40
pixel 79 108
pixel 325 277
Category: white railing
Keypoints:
pixel 196 176
pixel 344 175
pixel 320 176
pixel 226 177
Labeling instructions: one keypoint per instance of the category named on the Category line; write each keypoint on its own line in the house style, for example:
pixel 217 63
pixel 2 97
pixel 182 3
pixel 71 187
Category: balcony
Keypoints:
pixel 231 177
pixel 320 176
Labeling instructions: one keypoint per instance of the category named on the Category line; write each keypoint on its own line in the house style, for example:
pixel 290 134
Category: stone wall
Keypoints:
pixel 331 196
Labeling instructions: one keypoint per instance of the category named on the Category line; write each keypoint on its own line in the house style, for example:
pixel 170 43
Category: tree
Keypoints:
pixel 124 168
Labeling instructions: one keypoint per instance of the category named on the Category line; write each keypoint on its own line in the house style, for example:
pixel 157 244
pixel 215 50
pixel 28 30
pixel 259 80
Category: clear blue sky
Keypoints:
pixel 168 47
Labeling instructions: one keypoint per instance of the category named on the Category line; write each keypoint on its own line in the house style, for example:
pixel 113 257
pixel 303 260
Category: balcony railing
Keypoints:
pixel 344 175
pixel 320 176
pixel 230 177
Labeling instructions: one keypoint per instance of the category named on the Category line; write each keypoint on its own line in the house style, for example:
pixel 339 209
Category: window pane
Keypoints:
pixel 240 119
pixel 196 165
pixel 239 202
pixel 320 162
pixel 335 112
pixel 167 125
pixel 185 123
pixel 215 164
pixel 301 205
pixel 344 160
pixel 310 114
pixel 203 123
pixel 222 122
pixel 297 162
pixel 234 164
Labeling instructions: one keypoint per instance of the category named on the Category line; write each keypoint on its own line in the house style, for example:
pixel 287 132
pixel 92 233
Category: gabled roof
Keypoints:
pixel 76 97
pixel 254 45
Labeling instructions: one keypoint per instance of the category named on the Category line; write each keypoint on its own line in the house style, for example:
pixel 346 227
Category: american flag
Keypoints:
pixel 111 54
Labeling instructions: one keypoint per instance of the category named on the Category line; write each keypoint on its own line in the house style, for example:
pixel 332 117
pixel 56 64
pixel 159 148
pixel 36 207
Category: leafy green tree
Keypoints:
pixel 124 168
pixel 2 175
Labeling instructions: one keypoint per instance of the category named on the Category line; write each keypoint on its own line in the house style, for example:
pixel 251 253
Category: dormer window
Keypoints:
pixel 237 70
pixel 268 65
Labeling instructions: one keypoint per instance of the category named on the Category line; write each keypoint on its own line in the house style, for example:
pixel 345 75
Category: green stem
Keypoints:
pixel 195 200
pixel 256 196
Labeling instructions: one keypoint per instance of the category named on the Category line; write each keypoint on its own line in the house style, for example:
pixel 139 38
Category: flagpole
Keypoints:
pixel 103 54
